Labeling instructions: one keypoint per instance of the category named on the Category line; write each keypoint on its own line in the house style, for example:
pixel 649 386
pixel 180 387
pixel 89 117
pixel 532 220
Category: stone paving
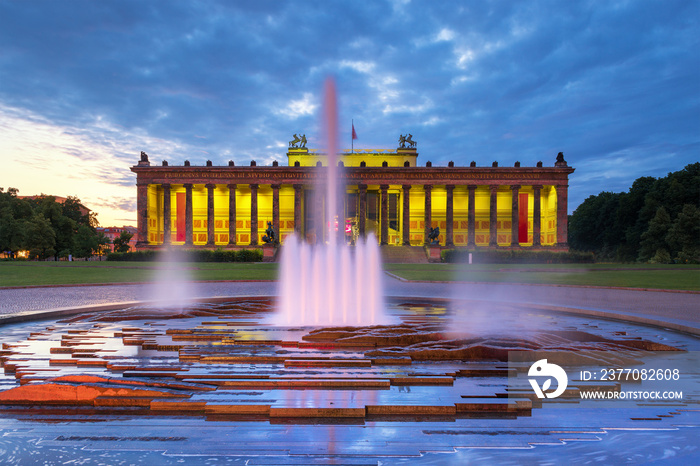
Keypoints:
pixel 323 402
pixel 681 308
pixel 214 384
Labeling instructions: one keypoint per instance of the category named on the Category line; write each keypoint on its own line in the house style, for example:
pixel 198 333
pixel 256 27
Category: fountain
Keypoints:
pixel 328 283
pixel 172 288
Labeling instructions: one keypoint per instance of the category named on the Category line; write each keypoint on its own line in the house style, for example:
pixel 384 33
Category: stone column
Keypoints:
pixel 232 214
pixel 384 227
pixel 449 214
pixel 562 219
pixel 406 228
pixel 167 214
pixel 515 215
pixel 142 213
pixel 363 209
pixel 537 217
pixel 298 198
pixel 210 214
pixel 471 217
pixel 189 230
pixel 493 217
pixel 276 212
pixel 428 212
pixel 253 214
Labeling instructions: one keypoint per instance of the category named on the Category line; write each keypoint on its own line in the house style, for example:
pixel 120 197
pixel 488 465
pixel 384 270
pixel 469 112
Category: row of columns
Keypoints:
pixel 142 200
pixel 562 201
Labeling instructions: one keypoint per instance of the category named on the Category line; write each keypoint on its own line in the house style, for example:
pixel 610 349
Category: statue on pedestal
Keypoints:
pixel 407 142
pixel 298 142
pixel 269 237
pixel 433 235
pixel 560 160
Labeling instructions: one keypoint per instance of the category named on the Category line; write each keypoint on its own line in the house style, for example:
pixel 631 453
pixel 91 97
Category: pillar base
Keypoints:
pixel 434 253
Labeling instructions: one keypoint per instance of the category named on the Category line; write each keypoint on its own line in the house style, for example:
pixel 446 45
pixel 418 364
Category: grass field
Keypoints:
pixel 69 273
pixel 675 277
pixel 654 276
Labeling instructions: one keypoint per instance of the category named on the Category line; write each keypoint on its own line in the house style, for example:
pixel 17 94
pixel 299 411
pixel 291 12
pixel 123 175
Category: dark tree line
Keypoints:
pixel 657 220
pixel 47 228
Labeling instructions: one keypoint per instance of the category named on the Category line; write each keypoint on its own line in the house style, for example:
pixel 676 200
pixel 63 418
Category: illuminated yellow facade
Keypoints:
pixel 386 194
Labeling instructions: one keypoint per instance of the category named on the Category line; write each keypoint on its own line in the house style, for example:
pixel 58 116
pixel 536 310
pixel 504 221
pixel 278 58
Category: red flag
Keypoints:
pixel 354 134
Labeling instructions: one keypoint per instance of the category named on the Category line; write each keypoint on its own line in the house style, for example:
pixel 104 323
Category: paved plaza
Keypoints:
pixel 682 309
pixel 217 385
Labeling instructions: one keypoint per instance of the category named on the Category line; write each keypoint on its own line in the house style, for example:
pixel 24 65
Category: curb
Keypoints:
pixel 680 326
pixel 69 311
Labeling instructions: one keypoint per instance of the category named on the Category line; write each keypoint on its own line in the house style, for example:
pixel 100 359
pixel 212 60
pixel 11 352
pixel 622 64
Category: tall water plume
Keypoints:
pixel 329 283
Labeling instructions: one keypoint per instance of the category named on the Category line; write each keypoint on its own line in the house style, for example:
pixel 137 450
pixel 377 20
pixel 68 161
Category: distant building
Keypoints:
pixel 83 210
pixel 114 232
pixel 386 193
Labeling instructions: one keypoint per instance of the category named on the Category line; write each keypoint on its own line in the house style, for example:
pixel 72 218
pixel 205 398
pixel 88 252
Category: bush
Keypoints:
pixel 135 256
pixel 662 256
pixel 249 255
pixel 192 255
pixel 518 257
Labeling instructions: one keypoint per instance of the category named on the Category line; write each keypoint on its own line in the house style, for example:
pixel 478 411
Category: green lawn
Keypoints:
pixel 677 277
pixel 62 273
pixel 672 277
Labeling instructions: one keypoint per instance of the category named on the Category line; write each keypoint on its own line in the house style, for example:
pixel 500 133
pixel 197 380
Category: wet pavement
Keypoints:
pixel 215 384
pixel 682 309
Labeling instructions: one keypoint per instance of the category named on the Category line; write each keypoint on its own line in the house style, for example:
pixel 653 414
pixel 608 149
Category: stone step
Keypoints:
pixel 425 410
pixel 268 384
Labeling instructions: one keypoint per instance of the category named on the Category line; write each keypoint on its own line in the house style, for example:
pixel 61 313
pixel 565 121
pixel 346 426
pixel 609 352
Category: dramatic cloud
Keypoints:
pixel 87 85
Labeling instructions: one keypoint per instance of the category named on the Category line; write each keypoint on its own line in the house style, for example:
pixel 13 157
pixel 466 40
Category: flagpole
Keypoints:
pixel 352 139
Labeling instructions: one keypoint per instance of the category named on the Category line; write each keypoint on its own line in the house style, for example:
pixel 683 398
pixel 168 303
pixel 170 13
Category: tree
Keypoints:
pixel 684 235
pixel 630 224
pixel 591 224
pixel 102 244
pixel 616 226
pixel 86 243
pixel 654 238
pixel 40 238
pixel 121 243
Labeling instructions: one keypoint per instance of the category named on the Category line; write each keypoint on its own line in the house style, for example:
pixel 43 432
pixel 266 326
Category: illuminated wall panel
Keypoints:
pixel 504 209
pixel 460 203
pixel 221 214
pixel 417 204
pixel 549 216
pixel 243 214
pixel 286 211
pixel 395 192
pixel 155 217
pixel 199 214
pixel 374 158
pixel 439 208
pixel 482 201
pixel 264 210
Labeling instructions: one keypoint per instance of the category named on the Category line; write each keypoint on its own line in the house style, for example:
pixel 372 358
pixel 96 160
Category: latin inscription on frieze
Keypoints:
pixel 260 175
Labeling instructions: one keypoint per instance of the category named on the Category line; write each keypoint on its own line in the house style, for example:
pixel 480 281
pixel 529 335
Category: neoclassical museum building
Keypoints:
pixel 386 193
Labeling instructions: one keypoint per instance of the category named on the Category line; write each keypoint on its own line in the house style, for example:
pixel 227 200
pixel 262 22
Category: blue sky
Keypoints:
pixel 86 85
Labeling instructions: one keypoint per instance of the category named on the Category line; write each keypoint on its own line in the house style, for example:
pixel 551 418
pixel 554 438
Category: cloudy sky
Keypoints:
pixel 86 85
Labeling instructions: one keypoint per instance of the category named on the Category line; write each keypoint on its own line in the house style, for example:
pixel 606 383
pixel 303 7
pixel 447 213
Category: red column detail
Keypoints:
pixel 523 218
pixel 180 221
